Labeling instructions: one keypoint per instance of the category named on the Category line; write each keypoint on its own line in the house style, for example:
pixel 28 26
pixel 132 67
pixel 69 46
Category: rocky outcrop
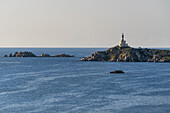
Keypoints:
pixel 21 54
pixel 5 55
pixel 30 54
pixel 45 55
pixel 129 54
pixel 64 55
pixel 61 55
pixel 117 71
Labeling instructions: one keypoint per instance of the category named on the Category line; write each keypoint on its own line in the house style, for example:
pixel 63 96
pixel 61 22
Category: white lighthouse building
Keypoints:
pixel 122 42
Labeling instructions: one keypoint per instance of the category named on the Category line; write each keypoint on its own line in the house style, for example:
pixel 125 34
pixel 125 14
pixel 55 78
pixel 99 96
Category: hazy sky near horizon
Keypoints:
pixel 84 23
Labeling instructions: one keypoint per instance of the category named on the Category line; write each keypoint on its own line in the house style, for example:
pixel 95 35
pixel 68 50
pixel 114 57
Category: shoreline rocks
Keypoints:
pixel 129 54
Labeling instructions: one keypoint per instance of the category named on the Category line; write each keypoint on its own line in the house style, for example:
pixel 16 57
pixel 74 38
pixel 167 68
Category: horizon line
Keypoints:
pixel 79 46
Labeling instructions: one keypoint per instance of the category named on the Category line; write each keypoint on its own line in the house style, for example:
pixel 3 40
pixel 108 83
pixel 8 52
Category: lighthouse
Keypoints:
pixel 122 42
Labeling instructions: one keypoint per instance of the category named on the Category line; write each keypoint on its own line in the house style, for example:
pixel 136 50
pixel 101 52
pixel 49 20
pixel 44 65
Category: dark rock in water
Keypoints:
pixel 5 55
pixel 30 54
pixel 10 55
pixel 25 54
pixel 117 71
pixel 61 55
pixel 64 55
pixel 45 55
pixel 15 54
pixel 129 54
pixel 22 54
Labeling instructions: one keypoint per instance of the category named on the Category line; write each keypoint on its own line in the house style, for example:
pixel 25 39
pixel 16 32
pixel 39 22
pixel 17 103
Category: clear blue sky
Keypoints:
pixel 84 23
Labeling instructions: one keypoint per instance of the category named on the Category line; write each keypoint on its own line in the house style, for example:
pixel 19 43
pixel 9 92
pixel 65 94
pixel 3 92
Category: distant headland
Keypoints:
pixel 124 53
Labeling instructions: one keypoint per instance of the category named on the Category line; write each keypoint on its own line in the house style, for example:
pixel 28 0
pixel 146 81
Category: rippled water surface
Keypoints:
pixel 52 85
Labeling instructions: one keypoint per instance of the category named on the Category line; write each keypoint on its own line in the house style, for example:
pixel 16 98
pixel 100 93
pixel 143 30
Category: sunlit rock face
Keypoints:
pixel 129 54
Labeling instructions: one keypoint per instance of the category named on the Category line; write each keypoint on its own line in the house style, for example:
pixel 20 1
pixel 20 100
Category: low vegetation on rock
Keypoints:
pixel 129 54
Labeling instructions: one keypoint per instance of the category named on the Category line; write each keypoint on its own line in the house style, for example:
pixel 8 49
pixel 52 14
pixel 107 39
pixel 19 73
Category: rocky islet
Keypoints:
pixel 129 54
pixel 30 54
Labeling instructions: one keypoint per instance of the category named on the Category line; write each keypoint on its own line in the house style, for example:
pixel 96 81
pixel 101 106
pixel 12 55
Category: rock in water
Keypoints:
pixel 10 55
pixel 45 55
pixel 64 55
pixel 22 54
pixel 25 54
pixel 30 54
pixel 117 71
pixel 129 54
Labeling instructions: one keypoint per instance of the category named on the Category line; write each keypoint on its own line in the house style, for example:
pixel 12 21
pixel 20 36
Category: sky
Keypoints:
pixel 84 23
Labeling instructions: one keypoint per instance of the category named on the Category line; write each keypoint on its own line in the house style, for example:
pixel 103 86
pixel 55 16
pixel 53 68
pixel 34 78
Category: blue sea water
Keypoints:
pixel 68 85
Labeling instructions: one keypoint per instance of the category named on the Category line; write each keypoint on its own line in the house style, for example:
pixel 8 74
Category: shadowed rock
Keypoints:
pixel 10 55
pixel 117 71
pixel 21 54
pixel 64 55
pixel 24 54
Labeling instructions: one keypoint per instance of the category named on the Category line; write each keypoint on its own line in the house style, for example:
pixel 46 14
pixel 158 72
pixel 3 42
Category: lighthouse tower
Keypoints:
pixel 122 42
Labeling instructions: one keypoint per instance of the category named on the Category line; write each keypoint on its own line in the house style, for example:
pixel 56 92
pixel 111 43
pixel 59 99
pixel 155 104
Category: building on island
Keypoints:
pixel 122 42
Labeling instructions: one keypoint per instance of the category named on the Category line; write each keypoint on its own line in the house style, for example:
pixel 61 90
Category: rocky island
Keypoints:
pixel 30 54
pixel 21 54
pixel 125 53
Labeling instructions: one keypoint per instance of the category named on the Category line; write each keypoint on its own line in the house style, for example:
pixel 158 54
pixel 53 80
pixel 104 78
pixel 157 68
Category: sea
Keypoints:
pixel 68 85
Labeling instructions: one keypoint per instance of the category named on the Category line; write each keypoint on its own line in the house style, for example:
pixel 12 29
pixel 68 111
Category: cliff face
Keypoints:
pixel 129 54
